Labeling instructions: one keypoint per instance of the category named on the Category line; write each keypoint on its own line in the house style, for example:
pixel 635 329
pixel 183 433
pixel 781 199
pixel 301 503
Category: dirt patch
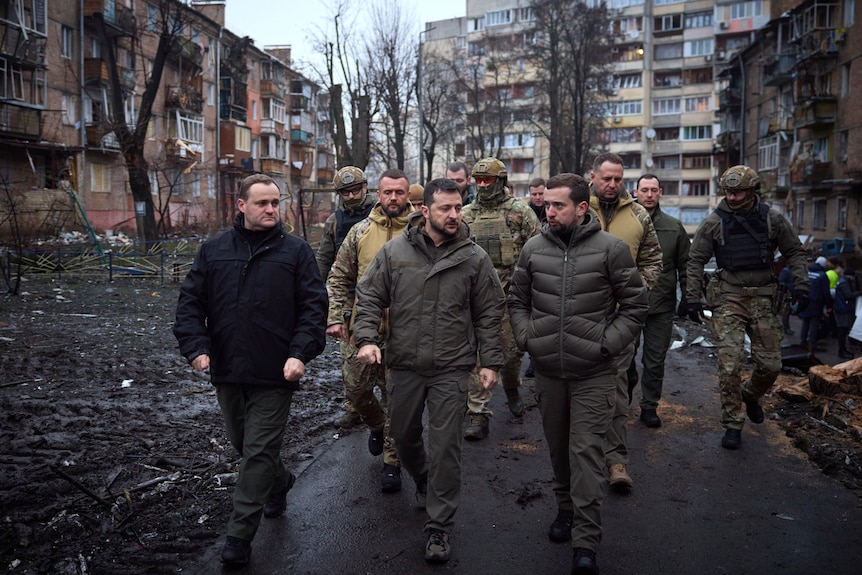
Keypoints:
pixel 113 450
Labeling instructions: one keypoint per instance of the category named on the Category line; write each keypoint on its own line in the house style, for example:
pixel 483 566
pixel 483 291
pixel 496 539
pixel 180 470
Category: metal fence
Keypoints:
pixel 168 260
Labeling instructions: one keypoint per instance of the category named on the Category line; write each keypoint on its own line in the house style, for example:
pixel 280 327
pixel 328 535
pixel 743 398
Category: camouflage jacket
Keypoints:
pixel 362 243
pixel 631 223
pixel 503 245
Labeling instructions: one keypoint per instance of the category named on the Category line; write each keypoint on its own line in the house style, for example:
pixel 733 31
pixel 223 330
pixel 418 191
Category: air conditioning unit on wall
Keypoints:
pixel 723 25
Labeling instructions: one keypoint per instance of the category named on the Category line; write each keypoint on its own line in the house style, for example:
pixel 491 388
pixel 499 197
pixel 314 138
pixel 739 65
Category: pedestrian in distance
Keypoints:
pixel 658 327
pixel 363 241
pixel 819 306
pixel 459 173
pixel 576 303
pixel 845 309
pixel 354 205
pixel 619 215
pixel 743 234
pixel 445 309
pixel 252 310
pixel 537 198
pixel 501 225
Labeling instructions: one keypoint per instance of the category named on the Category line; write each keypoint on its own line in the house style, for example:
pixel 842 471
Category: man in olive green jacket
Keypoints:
pixel 445 310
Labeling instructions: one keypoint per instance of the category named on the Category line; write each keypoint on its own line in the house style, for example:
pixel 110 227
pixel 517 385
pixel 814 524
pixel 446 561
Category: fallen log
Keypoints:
pixel 842 378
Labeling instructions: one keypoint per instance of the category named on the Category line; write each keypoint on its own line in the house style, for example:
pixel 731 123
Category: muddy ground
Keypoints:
pixel 113 453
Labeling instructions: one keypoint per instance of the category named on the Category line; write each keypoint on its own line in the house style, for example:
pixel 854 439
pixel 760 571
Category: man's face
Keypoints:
pixel 607 181
pixel 562 213
pixel 444 215
pixel 393 195
pixel 537 196
pixel 460 178
pixel 260 210
pixel 736 198
pixel 648 193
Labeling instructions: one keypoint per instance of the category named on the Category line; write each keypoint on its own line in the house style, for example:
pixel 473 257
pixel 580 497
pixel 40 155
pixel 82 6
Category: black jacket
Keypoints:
pixel 251 308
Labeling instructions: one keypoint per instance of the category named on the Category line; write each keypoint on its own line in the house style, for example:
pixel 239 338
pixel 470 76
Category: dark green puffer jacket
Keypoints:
pixel 576 307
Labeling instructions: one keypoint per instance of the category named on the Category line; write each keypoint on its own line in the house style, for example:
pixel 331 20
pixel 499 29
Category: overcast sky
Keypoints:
pixel 292 21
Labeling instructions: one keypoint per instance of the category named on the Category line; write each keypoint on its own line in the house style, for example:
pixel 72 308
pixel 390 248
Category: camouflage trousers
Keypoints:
pixel 734 315
pixel 359 383
pixel 510 376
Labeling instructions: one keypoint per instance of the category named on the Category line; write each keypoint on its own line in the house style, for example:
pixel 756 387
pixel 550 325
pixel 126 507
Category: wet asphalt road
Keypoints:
pixel 695 508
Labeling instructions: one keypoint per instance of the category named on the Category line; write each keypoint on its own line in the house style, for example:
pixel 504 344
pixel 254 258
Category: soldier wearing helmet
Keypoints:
pixel 743 294
pixel 354 205
pixel 501 225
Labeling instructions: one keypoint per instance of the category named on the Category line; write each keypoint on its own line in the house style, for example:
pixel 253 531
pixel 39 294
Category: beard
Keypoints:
pixel 442 229
pixel 394 210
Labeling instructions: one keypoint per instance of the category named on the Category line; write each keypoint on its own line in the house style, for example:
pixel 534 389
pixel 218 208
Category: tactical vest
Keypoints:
pixel 490 230
pixel 345 221
pixel 746 241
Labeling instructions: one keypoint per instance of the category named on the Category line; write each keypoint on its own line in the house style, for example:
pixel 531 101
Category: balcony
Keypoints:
pixel 177 149
pixel 815 111
pixel 15 45
pixel 730 98
pixel 119 20
pixel 270 126
pixel 272 166
pixel 186 51
pixel 185 98
pixel 299 102
pixel 779 70
pixel 271 88
pixel 20 122
pixel 302 137
pixel 98 136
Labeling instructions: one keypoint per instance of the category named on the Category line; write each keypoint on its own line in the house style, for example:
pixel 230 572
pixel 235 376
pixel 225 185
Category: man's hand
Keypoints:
pixel 694 311
pixel 488 377
pixel 800 299
pixel 369 354
pixel 294 369
pixel 337 330
pixel 201 362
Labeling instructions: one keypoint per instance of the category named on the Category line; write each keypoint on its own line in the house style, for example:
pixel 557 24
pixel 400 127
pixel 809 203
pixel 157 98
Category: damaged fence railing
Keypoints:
pixel 169 260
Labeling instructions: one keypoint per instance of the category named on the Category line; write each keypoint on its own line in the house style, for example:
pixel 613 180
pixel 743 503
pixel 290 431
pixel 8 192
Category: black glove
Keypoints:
pixel 800 299
pixel 680 309
pixel 694 310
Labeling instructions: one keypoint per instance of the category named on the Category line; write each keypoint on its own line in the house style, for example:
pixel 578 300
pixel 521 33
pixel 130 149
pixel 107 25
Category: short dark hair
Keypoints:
pixel 607 157
pixel 536 182
pixel 835 261
pixel 647 177
pixel 393 173
pixel 458 167
pixel 438 185
pixel 252 180
pixel 579 188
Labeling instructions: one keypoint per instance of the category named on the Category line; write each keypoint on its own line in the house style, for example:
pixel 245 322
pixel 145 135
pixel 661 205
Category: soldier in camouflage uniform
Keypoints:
pixel 355 205
pixel 386 221
pixel 501 225
pixel 620 216
pixel 743 294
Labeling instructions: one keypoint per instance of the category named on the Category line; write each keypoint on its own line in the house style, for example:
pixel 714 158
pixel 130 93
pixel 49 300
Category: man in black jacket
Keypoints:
pixel 252 310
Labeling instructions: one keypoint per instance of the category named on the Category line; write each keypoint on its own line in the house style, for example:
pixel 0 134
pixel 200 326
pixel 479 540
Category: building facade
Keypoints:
pixel 223 109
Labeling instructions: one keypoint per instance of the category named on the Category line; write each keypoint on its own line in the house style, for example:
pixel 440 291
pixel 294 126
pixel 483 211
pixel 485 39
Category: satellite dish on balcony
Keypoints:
pixel 649 163
pixel 650 133
pixel 634 33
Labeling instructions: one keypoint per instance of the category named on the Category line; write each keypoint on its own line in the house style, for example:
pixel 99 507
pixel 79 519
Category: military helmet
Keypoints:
pixel 348 176
pixel 739 178
pixel 490 167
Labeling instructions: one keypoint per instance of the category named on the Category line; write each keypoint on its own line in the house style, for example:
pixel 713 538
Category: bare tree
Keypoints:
pixel 132 136
pixel 390 53
pixel 343 77
pixel 442 101
pixel 572 52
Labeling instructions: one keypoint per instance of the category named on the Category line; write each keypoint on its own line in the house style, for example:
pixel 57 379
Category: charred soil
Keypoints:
pixel 113 449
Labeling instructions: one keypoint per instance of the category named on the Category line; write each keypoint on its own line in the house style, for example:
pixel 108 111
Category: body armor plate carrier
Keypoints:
pixel 344 221
pixel 746 241
pixel 490 230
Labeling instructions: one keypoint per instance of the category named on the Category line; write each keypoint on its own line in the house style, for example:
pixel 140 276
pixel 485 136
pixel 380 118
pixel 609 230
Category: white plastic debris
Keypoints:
pixel 126 383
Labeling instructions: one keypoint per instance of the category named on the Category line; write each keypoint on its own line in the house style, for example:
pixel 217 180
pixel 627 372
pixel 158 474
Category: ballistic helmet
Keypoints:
pixel 491 167
pixel 739 178
pixel 348 176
